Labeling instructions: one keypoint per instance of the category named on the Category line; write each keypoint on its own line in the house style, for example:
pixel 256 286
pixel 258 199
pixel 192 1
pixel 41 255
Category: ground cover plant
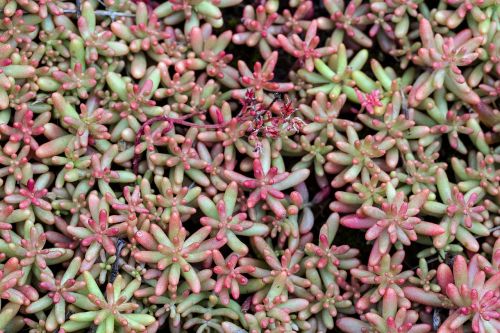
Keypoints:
pixel 249 166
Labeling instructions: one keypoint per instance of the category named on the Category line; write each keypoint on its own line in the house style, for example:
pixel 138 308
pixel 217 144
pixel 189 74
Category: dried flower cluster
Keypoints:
pixel 249 166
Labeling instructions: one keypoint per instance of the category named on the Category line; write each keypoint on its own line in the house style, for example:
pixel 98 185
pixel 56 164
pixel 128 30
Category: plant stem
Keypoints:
pixel 99 12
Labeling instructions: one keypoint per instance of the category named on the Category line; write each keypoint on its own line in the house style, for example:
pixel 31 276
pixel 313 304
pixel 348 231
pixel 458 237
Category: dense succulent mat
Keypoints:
pixel 249 166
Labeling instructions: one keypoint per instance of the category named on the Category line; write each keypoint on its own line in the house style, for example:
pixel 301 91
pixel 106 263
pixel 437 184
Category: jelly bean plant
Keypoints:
pixel 232 166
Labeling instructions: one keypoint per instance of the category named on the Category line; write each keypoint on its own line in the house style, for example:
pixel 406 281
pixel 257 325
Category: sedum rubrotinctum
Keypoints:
pixel 230 166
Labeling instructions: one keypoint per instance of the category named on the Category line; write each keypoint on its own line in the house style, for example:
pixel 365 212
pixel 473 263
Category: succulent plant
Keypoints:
pixel 395 221
pixel 347 18
pixel 468 293
pixel 260 80
pixel 268 184
pixel 306 50
pixel 258 29
pixel 391 319
pixel 280 275
pixel 209 54
pixel 191 12
pixel 226 224
pixel 461 215
pixel 331 261
pixel 61 292
pixel 444 56
pixel 386 275
pixel 173 254
pixel 335 75
pixel 249 166
pixel 356 155
pixel 110 310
